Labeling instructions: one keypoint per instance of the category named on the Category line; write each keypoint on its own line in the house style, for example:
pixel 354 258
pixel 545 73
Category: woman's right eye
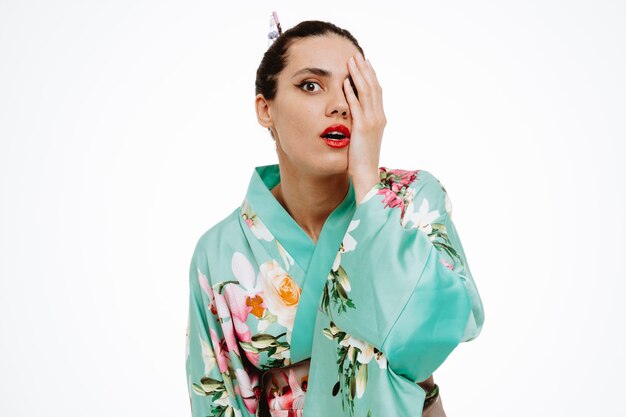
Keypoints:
pixel 310 86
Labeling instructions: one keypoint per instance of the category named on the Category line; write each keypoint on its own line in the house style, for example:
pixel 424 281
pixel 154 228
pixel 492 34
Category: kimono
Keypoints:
pixel 377 304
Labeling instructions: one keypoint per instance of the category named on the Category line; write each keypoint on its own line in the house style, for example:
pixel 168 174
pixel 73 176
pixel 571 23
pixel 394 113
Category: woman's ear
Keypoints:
pixel 263 115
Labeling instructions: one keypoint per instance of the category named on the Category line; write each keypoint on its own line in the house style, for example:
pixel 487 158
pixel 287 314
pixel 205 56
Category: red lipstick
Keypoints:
pixel 336 136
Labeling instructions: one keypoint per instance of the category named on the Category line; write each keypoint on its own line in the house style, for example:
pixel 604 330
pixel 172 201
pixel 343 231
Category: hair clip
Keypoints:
pixel 275 29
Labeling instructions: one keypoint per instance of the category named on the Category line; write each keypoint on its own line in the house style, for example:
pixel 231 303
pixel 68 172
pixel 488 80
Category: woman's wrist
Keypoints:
pixel 364 182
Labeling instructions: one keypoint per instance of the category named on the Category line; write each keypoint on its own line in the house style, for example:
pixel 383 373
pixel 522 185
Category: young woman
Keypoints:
pixel 337 287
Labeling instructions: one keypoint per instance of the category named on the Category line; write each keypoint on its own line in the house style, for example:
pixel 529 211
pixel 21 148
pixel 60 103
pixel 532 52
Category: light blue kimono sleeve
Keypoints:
pixel 207 391
pixel 444 307
pixel 216 379
pixel 398 300
pixel 402 281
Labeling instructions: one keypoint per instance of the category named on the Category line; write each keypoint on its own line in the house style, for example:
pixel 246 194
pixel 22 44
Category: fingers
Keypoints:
pixel 357 78
pixel 353 101
pixel 363 70
pixel 368 89
pixel 366 70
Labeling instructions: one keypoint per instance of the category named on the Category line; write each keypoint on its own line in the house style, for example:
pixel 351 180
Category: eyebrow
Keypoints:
pixel 317 71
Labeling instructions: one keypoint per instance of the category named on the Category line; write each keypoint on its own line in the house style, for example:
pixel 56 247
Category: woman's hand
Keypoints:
pixel 368 123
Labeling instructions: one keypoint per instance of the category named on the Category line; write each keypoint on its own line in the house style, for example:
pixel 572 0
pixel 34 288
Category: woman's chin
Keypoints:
pixel 331 165
pixel 321 165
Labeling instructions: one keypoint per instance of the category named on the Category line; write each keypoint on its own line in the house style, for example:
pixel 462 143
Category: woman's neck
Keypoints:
pixel 309 200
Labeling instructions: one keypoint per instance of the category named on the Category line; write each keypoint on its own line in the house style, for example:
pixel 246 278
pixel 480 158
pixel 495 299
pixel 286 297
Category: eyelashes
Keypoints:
pixel 305 84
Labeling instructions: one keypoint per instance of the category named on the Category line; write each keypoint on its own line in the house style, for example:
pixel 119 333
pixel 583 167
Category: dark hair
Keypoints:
pixel 275 58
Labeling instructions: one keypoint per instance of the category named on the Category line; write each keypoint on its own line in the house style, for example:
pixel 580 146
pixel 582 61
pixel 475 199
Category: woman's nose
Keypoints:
pixel 338 105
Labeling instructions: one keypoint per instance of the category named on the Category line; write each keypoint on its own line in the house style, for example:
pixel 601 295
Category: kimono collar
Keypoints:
pixel 282 226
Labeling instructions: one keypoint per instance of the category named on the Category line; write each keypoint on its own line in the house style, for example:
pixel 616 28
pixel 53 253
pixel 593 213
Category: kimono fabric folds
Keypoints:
pixel 376 305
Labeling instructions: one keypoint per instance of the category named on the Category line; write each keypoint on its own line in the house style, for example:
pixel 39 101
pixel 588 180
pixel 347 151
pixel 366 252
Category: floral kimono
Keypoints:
pixel 377 304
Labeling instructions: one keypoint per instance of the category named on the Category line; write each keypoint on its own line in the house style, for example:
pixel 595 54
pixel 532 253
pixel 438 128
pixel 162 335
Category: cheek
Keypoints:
pixel 297 120
pixel 301 120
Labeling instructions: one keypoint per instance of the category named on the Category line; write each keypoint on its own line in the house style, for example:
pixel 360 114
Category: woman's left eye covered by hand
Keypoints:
pixel 310 86
pixel 356 93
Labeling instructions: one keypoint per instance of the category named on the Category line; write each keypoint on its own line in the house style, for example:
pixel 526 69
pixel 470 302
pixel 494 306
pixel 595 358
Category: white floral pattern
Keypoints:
pixel 282 294
pixel 422 218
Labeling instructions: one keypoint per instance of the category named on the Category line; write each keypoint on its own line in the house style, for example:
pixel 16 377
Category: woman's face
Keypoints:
pixel 310 102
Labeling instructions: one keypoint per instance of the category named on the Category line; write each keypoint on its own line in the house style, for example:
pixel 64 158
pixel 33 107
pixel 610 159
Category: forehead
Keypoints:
pixel 326 52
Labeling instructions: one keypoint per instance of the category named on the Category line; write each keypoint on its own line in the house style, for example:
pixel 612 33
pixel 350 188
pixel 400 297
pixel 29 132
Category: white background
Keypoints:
pixel 127 129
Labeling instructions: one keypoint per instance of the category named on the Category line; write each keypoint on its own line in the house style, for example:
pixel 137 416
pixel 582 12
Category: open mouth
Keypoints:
pixel 336 136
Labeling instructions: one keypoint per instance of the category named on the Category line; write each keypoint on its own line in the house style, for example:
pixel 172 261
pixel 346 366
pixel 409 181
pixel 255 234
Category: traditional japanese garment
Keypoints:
pixel 377 304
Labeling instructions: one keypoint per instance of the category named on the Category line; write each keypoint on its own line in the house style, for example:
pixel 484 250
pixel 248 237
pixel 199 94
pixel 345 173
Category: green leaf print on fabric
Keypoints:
pixel 338 284
pixel 220 405
pixel 441 242
pixel 353 358
pixel 274 348
pixel 336 291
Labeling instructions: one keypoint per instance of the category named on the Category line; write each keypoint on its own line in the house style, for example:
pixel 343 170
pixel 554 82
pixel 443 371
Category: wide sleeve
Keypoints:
pixel 398 299
pixel 452 256
pixel 444 308
pixel 401 281
pixel 220 382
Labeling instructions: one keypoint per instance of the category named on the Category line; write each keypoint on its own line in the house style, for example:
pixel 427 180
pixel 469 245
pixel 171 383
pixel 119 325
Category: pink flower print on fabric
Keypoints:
pixel 238 295
pixel 297 391
pixel 238 298
pixel 248 388
pixel 286 413
pixel 218 304
pixel 231 307
pixel 394 184
pixel 221 351
pixel 391 198
pixel 255 224
pixel 446 264
pixel 288 397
